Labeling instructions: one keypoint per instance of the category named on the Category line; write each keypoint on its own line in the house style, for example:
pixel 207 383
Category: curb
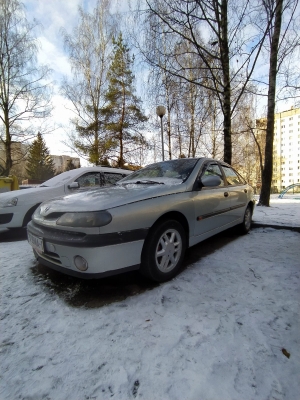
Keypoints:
pixel 266 225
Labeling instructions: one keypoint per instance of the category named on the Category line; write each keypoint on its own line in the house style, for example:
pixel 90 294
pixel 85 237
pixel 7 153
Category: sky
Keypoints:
pixel 54 15
pixel 226 328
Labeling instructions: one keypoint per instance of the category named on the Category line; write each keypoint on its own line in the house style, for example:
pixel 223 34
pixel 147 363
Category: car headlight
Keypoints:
pixel 9 203
pixel 85 219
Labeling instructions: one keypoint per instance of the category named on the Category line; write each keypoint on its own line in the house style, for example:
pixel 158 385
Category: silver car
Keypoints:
pixel 145 222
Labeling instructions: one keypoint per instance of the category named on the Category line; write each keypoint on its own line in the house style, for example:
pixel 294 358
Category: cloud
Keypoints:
pixel 54 57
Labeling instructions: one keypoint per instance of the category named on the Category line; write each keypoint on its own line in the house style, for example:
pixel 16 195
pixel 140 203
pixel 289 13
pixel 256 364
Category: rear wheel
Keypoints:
pixel 163 251
pixel 245 226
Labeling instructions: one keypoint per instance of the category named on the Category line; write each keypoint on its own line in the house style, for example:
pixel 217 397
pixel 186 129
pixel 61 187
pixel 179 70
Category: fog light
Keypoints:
pixel 80 263
pixel 50 247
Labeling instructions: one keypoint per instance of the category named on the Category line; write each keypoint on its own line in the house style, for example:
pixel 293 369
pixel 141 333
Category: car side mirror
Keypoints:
pixel 210 180
pixel 74 185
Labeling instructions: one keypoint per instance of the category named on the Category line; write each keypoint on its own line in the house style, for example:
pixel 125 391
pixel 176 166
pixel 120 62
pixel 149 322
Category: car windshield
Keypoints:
pixel 57 180
pixel 168 172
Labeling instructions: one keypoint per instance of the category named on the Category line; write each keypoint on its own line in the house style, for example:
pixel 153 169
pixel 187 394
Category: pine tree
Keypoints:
pixel 40 165
pixel 123 113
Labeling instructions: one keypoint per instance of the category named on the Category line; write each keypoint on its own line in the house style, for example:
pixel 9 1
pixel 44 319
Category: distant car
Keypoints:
pixel 146 221
pixel 17 207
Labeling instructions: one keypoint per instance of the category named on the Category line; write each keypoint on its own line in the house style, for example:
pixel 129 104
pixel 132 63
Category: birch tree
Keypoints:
pixel 216 33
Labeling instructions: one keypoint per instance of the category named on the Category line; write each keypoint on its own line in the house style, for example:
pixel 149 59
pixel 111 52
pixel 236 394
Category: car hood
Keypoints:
pixel 108 197
pixel 32 195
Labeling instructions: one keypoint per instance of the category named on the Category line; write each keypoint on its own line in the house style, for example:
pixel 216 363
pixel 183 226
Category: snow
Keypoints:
pixel 222 329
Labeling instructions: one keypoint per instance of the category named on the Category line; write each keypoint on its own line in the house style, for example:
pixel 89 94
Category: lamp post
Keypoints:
pixel 160 111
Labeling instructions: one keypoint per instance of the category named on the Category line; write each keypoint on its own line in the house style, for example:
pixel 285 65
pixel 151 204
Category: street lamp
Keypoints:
pixel 160 111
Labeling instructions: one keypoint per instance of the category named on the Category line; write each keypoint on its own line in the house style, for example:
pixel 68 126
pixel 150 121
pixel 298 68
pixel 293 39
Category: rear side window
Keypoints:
pixel 232 177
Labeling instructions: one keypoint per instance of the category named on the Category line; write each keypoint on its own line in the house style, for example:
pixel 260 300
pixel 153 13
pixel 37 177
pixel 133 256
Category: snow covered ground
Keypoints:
pixel 226 328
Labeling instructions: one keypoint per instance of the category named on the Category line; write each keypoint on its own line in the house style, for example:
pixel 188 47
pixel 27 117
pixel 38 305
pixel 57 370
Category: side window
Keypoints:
pixel 111 178
pixel 214 169
pixel 233 178
pixel 90 179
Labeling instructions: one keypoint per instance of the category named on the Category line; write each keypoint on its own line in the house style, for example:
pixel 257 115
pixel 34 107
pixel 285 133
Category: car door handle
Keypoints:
pixel 226 194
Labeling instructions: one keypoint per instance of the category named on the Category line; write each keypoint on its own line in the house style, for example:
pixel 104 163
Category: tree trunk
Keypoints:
pixel 264 199
pixel 7 145
pixel 224 49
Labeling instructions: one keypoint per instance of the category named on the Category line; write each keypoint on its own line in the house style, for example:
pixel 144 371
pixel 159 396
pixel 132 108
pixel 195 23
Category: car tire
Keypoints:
pixel 245 226
pixel 163 251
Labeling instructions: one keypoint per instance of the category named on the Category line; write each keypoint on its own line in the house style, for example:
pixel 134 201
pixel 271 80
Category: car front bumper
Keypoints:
pixel 104 254
pixel 11 217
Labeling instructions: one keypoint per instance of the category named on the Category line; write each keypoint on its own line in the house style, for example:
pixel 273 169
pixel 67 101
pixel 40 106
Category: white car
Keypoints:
pixel 17 207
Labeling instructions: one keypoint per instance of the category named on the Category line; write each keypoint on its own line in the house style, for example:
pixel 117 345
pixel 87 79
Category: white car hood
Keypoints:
pixel 32 195
pixel 107 198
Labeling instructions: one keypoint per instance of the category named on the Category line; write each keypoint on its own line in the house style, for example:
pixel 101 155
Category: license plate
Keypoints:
pixel 36 242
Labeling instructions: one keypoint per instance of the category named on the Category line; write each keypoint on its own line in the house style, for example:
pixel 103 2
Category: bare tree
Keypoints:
pixel 24 95
pixel 89 47
pixel 216 33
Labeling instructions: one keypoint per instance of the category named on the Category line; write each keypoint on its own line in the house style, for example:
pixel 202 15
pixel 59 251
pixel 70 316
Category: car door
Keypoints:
pixel 211 204
pixel 237 190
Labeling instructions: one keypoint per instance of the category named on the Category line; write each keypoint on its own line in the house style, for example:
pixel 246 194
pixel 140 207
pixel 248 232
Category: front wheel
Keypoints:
pixel 247 221
pixel 163 251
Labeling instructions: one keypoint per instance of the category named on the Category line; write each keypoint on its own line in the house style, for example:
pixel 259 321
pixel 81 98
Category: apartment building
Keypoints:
pixel 286 150
pixel 61 162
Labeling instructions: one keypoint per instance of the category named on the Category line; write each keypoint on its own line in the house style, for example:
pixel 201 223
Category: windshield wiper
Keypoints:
pixel 143 182
pixel 148 182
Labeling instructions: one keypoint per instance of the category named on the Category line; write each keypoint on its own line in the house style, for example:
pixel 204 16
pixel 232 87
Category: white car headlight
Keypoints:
pixel 85 219
pixel 9 203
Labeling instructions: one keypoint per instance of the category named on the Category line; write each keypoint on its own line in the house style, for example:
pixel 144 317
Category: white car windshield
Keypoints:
pixel 168 172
